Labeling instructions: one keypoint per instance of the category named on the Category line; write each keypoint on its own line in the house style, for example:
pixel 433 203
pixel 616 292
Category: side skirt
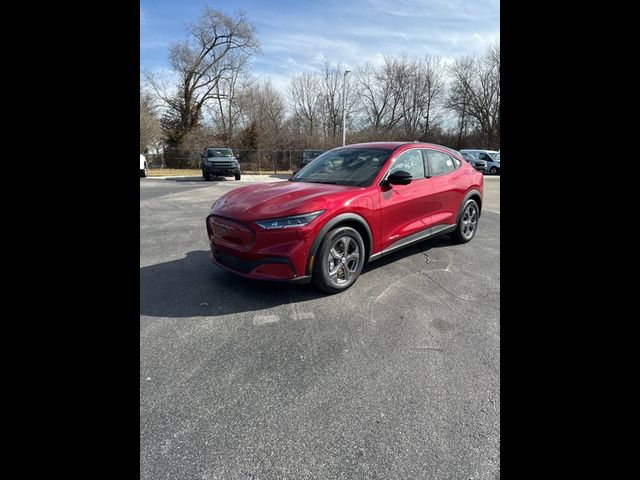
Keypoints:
pixel 415 238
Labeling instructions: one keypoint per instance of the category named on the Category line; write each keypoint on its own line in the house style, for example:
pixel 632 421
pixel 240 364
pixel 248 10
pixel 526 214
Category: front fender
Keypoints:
pixel 352 217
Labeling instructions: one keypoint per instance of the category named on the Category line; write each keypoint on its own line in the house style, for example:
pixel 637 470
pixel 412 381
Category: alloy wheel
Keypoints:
pixel 469 221
pixel 343 260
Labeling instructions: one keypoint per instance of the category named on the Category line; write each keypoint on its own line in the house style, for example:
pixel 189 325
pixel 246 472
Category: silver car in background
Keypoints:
pixel 490 157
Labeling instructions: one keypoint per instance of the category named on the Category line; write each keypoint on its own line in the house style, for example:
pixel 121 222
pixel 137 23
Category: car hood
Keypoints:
pixel 218 159
pixel 278 199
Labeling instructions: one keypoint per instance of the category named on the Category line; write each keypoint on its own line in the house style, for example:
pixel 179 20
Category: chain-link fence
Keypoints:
pixel 251 160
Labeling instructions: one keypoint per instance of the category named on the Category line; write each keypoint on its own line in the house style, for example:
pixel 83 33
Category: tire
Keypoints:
pixel 331 266
pixel 467 223
pixel 143 173
pixel 207 176
pixel 493 170
pixel 237 176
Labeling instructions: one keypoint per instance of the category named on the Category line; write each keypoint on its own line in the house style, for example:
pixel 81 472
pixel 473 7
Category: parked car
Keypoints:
pixel 219 162
pixel 307 156
pixel 493 165
pixel 143 166
pixel 491 157
pixel 478 164
pixel 351 206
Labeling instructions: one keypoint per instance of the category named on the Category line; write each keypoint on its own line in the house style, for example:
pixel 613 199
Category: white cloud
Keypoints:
pixel 298 38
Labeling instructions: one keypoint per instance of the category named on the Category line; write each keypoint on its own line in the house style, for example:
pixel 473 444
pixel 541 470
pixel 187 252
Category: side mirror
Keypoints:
pixel 400 177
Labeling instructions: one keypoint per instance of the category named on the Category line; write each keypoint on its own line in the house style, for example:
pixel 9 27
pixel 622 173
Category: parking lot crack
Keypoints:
pixel 454 294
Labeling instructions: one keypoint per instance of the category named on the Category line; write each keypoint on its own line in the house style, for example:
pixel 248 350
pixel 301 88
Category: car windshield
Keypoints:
pixel 219 152
pixel 356 167
pixel 494 155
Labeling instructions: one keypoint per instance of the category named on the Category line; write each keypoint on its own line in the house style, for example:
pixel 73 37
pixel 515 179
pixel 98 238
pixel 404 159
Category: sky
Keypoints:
pixel 294 35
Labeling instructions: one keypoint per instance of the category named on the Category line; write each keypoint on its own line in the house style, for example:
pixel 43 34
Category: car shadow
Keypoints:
pixel 192 286
pixel 420 247
pixel 196 178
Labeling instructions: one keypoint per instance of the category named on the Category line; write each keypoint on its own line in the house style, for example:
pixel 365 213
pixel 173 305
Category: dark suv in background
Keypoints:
pixel 478 164
pixel 307 156
pixel 219 162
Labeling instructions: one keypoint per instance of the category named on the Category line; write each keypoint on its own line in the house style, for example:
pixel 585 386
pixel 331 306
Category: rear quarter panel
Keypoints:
pixel 450 190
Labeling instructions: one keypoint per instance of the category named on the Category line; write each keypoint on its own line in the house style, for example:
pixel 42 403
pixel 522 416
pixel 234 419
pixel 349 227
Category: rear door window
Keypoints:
pixel 439 163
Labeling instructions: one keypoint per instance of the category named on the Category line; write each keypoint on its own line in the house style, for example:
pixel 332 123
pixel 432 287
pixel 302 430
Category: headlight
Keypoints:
pixel 288 222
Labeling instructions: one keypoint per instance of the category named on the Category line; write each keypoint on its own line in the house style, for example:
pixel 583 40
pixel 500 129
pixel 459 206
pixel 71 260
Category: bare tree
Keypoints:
pixel 263 111
pixel 305 99
pixel 316 101
pixel 373 96
pixel 432 73
pixel 217 46
pixel 150 131
pixel 225 112
pixel 461 72
pixel 331 78
pixel 475 94
pixel 382 93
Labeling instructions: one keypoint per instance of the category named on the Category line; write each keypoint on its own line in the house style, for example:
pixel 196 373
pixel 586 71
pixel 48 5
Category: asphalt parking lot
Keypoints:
pixel 398 377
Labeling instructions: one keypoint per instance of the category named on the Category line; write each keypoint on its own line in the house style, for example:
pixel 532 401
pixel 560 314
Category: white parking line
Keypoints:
pixel 303 316
pixel 265 319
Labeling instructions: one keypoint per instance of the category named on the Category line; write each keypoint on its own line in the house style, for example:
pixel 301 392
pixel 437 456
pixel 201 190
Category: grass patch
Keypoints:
pixel 173 172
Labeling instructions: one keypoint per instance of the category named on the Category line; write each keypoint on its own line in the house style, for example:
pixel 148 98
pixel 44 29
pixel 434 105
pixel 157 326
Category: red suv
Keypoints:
pixel 349 206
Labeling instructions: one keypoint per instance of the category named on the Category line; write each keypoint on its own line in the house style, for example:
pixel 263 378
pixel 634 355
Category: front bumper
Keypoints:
pixel 252 269
pixel 221 168
pixel 222 172
pixel 252 252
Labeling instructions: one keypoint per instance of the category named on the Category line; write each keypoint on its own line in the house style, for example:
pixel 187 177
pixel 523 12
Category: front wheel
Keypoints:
pixel 339 260
pixel 206 175
pixel 237 176
pixel 468 222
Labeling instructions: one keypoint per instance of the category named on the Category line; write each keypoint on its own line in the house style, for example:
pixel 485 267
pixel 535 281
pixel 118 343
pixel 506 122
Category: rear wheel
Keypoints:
pixel 493 170
pixel 339 260
pixel 143 173
pixel 237 176
pixel 468 222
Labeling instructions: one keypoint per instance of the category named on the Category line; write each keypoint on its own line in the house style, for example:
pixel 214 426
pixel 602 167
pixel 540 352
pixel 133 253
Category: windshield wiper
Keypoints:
pixel 325 183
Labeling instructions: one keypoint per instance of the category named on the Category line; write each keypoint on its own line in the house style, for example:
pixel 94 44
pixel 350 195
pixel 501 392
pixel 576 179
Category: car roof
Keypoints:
pixel 478 150
pixel 394 145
